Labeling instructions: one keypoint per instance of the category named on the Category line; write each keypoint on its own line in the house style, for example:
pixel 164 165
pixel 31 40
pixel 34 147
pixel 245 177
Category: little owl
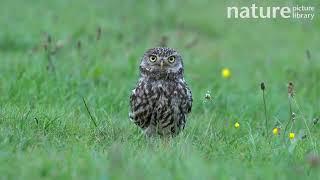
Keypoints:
pixel 161 100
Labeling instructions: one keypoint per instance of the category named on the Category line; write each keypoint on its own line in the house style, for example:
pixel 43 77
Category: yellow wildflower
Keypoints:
pixel 236 125
pixel 226 73
pixel 291 135
pixel 275 131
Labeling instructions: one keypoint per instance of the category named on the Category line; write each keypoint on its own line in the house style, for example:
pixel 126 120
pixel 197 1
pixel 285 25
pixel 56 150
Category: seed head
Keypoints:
pixel 49 38
pixel 293 116
pixel 304 136
pixel 262 86
pixel 308 54
pixel 45 46
pixel 291 89
pixel 99 31
pixel 79 45
pixel 163 41
pixel 207 95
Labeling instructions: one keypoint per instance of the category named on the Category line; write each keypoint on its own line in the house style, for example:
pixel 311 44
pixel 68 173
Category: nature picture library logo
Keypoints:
pixel 268 12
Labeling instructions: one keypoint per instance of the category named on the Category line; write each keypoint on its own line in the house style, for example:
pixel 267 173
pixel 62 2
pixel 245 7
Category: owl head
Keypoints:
pixel 161 62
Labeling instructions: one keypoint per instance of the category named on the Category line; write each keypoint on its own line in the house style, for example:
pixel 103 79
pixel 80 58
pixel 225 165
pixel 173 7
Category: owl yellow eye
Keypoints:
pixel 171 59
pixel 152 58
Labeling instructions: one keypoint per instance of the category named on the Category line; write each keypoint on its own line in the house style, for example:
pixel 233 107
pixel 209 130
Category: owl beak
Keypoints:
pixel 161 65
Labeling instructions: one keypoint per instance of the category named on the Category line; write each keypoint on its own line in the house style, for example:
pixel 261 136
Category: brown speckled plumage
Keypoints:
pixel 160 102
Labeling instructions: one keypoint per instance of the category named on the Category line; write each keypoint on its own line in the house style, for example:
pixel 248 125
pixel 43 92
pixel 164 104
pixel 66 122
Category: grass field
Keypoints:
pixel 53 53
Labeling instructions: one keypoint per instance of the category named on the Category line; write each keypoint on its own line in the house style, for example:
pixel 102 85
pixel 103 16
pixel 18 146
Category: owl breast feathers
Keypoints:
pixel 160 102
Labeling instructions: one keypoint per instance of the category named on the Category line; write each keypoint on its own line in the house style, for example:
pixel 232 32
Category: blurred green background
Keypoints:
pixel 53 53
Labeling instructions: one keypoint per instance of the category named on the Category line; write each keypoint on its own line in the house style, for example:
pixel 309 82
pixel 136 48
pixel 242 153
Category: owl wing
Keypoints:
pixel 188 104
pixel 140 109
